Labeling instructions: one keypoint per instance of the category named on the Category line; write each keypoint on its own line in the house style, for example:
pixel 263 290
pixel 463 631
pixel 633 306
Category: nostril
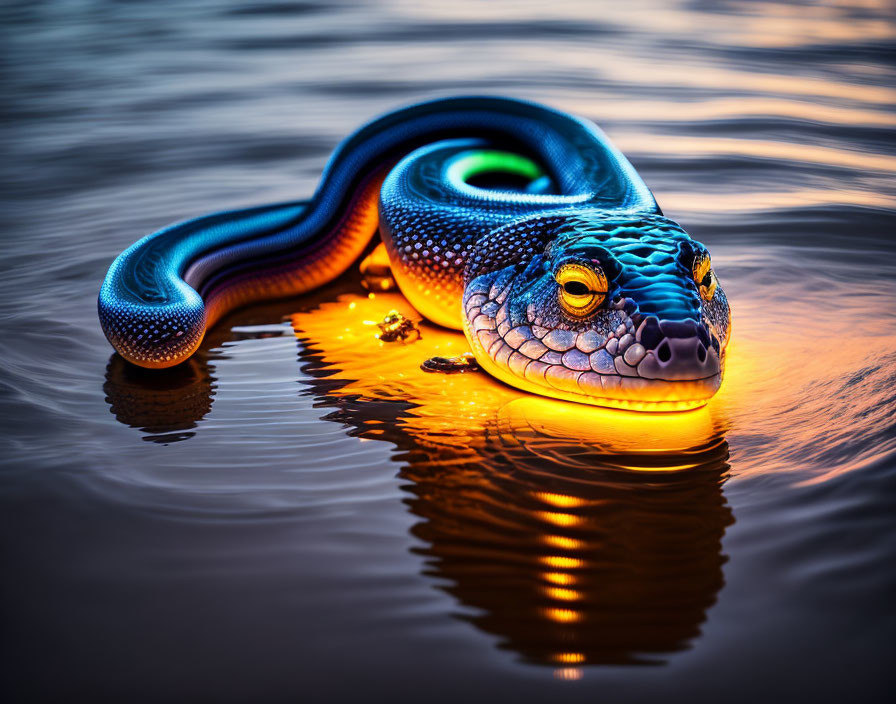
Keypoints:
pixel 649 333
pixel 664 352
pixel 701 352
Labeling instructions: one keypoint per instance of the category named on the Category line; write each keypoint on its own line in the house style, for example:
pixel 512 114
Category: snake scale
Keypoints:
pixel 522 225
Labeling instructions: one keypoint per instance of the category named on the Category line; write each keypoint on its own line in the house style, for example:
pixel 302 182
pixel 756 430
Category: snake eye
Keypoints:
pixel 704 276
pixel 581 288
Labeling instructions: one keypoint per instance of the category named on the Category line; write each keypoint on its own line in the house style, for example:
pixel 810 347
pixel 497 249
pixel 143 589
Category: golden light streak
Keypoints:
pixel 562 542
pixel 753 201
pixel 569 658
pixel 562 578
pixel 560 500
pixel 729 146
pixel 561 562
pixel 561 594
pixel 563 615
pixel 564 520
pixel 622 109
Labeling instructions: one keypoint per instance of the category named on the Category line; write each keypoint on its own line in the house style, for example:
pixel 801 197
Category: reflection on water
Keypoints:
pixel 576 535
pixel 564 555
pixel 164 406
pixel 578 567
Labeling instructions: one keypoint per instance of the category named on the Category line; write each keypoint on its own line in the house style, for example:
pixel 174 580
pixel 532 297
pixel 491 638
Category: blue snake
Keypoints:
pixel 522 225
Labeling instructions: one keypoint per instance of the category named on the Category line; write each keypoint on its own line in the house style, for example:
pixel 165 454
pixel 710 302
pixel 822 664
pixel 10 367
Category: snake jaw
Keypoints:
pixel 615 371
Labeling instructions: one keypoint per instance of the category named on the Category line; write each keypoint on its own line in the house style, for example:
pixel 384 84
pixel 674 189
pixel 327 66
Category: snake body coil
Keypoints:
pixel 519 224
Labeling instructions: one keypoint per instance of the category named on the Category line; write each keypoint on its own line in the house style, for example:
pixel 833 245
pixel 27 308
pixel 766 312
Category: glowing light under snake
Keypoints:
pixel 519 224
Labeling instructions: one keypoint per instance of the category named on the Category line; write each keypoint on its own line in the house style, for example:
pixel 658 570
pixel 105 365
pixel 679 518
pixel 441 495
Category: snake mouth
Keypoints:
pixel 607 390
pixel 643 364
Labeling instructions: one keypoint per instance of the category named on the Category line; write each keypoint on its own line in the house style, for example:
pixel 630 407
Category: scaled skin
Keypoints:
pixel 562 271
pixel 656 341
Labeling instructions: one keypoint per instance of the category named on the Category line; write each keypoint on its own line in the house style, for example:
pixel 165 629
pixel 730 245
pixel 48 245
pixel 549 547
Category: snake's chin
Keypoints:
pixel 681 383
pixel 608 391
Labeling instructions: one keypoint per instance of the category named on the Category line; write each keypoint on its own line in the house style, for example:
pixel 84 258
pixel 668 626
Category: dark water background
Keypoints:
pixel 278 521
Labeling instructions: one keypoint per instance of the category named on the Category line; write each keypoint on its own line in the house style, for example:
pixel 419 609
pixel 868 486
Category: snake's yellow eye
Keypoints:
pixel 581 288
pixel 704 276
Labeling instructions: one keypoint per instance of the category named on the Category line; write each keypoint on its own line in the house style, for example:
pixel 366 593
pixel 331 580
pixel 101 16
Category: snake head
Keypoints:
pixel 613 311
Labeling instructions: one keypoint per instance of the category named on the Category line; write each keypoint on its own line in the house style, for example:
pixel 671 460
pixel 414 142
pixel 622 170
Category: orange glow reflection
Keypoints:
pixel 462 405
pixel 559 500
pixel 569 658
pixel 558 578
pixel 568 673
pixel 563 615
pixel 559 519
pixel 529 506
pixel 559 562
pixel 563 542
pixel 562 594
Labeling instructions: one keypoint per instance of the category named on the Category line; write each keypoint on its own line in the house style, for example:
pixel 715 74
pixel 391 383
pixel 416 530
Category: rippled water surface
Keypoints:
pixel 300 514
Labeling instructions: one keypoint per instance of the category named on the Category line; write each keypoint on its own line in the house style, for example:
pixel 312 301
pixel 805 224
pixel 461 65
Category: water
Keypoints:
pixel 299 514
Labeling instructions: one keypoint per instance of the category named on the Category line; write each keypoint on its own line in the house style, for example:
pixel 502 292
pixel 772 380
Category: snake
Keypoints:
pixel 520 224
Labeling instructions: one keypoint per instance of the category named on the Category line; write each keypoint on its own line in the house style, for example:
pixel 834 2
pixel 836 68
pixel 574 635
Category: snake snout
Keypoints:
pixel 677 350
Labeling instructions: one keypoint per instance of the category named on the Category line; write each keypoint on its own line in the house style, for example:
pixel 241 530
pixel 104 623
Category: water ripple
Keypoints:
pixel 284 509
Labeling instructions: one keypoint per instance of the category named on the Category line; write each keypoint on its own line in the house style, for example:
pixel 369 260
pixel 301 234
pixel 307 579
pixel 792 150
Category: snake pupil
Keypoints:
pixel 576 288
